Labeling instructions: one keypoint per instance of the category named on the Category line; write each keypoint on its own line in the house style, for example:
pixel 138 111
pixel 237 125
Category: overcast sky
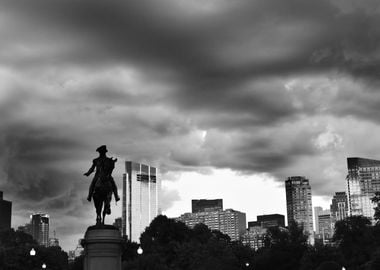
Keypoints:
pixel 226 97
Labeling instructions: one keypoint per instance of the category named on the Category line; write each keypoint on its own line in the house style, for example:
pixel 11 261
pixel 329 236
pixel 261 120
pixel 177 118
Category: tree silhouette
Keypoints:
pixel 355 238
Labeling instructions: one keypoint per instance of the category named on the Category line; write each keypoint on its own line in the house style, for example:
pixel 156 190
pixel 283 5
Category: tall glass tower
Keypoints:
pixel 40 228
pixel 141 198
pixel 298 204
pixel 363 180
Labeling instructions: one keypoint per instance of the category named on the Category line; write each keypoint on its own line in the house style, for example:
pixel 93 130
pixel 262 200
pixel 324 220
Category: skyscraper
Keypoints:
pixel 5 213
pixel 40 228
pixel 141 191
pixel 298 203
pixel 204 205
pixel 363 180
pixel 339 207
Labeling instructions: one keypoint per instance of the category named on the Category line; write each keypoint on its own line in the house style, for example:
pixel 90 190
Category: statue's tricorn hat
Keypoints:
pixel 102 149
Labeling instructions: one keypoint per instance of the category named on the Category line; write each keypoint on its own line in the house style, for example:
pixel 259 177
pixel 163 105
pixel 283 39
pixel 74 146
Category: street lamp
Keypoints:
pixel 247 264
pixel 44 266
pixel 32 252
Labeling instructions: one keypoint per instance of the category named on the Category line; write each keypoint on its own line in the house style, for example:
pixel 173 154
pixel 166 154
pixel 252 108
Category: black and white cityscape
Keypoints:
pixel 246 129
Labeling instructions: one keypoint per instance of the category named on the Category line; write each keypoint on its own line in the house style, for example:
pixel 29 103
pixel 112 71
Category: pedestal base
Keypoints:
pixel 102 248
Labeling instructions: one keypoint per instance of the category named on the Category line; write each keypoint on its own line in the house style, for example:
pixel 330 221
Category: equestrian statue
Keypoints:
pixel 103 184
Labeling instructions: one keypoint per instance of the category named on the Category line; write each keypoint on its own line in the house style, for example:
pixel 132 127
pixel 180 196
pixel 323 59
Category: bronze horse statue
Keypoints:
pixel 102 185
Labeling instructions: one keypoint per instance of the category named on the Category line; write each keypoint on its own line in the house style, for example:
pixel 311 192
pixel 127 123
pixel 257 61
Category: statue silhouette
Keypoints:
pixel 102 184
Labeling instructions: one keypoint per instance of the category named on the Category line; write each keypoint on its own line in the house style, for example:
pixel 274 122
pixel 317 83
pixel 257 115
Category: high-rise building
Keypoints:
pixel 317 212
pixel 325 227
pixel 206 205
pixel 229 221
pixel 40 228
pixel 363 180
pixel 141 198
pixel 323 224
pixel 298 204
pixel 5 213
pixel 339 207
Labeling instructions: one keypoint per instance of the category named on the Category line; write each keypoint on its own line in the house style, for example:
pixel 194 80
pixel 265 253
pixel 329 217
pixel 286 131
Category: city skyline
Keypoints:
pixel 226 98
pixel 141 171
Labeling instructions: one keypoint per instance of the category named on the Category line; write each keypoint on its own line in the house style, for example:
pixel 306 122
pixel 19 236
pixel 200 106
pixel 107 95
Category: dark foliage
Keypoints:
pixel 14 253
pixel 319 255
pixel 283 249
pixel 169 244
pixel 77 264
pixel 356 240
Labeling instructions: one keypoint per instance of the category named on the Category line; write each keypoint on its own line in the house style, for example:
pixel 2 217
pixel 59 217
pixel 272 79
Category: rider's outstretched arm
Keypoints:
pixel 90 171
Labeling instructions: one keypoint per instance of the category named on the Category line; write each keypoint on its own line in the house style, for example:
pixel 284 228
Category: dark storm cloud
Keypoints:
pixel 222 64
pixel 210 58
pixel 33 159
pixel 226 45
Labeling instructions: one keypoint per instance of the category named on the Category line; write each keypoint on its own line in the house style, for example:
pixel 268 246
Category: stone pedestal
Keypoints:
pixel 102 248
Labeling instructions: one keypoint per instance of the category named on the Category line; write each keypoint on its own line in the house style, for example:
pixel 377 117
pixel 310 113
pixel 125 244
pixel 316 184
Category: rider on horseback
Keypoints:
pixel 104 167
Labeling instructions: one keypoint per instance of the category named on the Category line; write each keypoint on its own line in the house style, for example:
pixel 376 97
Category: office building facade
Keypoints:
pixel 323 224
pixel 141 201
pixel 229 221
pixel 254 237
pixel 298 204
pixel 325 227
pixel 257 230
pixel 317 212
pixel 206 205
pixel 40 228
pixel 273 220
pixel 5 213
pixel 363 180
pixel 339 207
